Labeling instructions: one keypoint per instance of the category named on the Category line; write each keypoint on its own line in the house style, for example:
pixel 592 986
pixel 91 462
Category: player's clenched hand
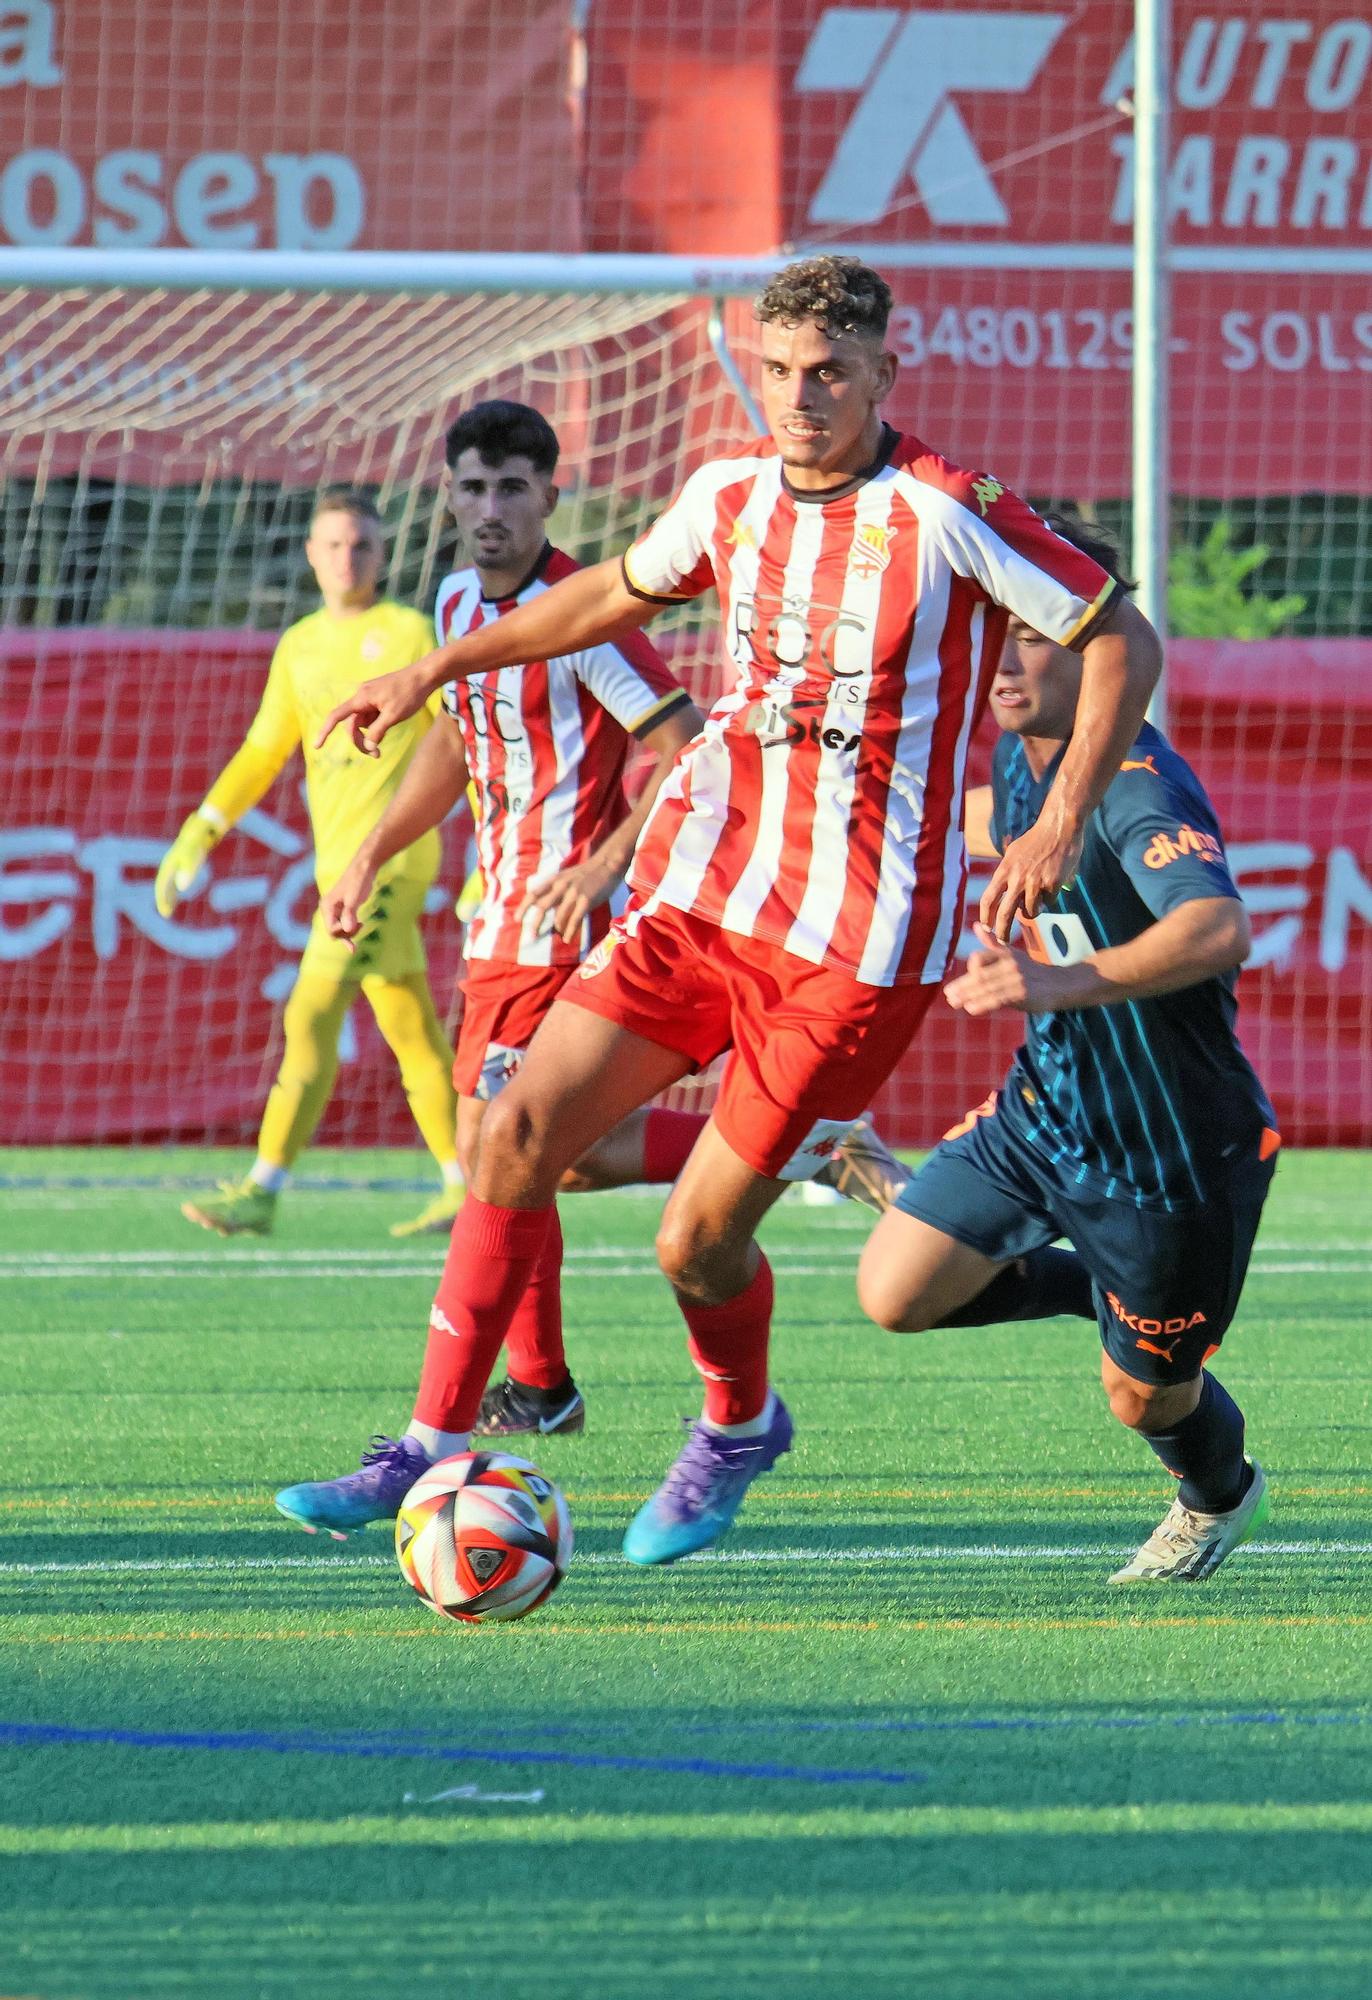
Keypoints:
pixel 997 976
pixel 341 907
pixel 1032 869
pixel 375 708
pixel 183 861
pixel 562 902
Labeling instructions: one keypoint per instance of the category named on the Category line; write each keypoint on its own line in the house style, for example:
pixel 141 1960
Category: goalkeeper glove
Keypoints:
pixel 184 859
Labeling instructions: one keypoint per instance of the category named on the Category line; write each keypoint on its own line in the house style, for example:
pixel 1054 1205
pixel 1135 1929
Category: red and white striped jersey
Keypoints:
pixel 546 747
pixel 821 806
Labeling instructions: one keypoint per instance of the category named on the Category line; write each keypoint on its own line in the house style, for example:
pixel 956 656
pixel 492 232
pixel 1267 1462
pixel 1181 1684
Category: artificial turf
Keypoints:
pixel 899 1738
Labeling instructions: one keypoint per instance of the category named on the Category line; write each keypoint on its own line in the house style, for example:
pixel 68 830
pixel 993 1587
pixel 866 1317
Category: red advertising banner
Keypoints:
pixel 981 155
pixel 136 125
pixel 118 1024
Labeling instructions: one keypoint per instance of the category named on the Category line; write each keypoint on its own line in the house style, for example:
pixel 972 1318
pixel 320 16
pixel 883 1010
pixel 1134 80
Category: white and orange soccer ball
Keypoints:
pixel 483 1536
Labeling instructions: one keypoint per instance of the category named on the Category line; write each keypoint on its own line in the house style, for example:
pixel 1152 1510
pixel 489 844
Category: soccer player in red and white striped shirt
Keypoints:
pixel 545 747
pixel 797 885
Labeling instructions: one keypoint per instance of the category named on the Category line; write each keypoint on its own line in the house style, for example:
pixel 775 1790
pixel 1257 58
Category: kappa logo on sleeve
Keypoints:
pixel 1165 848
pixel 986 491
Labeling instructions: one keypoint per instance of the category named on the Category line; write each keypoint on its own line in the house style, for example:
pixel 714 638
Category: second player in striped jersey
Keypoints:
pixel 796 887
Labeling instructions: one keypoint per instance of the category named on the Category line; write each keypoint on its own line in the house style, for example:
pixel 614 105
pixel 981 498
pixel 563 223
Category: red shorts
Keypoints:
pixel 502 1004
pixel 810 1047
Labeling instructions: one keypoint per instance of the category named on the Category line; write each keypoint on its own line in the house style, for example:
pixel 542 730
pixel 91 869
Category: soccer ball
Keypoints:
pixel 483 1536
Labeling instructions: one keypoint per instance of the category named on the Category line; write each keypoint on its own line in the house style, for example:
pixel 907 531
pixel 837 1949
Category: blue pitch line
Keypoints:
pixel 185 1183
pixel 32 1733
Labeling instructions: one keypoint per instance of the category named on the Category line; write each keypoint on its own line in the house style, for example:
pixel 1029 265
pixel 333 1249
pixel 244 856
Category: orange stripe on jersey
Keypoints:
pixel 1269 1144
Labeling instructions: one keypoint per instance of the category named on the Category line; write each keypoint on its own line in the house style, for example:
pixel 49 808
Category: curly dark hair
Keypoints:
pixel 843 295
pixel 1093 541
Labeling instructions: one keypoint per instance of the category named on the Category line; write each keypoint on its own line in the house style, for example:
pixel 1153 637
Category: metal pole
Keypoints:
pixel 729 368
pixel 1152 319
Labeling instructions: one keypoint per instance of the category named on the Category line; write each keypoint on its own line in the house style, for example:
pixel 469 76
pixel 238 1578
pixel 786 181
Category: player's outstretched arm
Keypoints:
pixel 584 609
pixel 247 777
pixel 1196 941
pixel 1120 667
pixel 433 783
pixel 564 900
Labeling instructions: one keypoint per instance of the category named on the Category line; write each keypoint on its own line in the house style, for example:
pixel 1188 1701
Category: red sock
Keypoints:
pixel 492 1256
pixel 668 1137
pixel 534 1342
pixel 728 1345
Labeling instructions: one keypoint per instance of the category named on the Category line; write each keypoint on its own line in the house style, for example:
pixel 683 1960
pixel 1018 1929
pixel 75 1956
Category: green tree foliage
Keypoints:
pixel 1206 590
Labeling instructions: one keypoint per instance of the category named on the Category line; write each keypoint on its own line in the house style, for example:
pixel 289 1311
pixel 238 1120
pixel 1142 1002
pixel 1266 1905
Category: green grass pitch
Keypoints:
pixel 898 1739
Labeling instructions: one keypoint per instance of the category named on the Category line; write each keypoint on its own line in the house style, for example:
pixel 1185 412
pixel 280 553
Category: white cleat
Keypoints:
pixel 1186 1546
pixel 863 1168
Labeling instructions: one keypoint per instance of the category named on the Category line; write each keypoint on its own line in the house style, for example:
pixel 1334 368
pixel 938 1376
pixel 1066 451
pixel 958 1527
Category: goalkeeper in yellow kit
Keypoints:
pixel 318 663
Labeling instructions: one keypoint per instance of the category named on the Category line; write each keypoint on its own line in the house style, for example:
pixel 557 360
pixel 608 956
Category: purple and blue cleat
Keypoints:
pixel 338 1507
pixel 697 1501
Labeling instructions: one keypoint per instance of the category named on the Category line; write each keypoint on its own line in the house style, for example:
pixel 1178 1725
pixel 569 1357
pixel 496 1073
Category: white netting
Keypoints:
pixel 159 450
pixel 161 454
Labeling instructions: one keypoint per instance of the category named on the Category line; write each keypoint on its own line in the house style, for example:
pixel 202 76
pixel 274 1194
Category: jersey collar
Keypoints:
pixel 541 561
pixel 890 438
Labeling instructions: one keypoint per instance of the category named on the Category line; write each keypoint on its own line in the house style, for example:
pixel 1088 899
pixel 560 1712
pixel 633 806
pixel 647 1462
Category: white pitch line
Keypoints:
pixel 1031 1552
pixel 18 1270
pixel 355 1271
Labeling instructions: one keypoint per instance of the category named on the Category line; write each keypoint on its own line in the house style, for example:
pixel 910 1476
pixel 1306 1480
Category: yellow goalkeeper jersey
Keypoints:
pixel 318 663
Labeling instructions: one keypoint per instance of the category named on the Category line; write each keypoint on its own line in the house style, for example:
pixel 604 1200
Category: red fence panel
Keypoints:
pixel 116 1024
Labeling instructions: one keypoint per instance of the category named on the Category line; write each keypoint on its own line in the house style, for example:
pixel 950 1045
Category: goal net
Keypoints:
pixel 160 450
pixel 161 453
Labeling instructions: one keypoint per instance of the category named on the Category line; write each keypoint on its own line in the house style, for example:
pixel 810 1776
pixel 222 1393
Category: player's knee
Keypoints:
pixel 700 1261
pixel 511 1134
pixel 1147 1406
pixel 887 1302
pixel 679 1245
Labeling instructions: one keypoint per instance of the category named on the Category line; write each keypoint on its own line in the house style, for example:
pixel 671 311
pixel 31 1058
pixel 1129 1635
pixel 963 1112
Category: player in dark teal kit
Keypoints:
pixel 1130 1123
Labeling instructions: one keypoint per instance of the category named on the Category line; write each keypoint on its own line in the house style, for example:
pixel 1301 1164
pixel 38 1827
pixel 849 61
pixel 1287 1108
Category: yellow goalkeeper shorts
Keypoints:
pixel 388 946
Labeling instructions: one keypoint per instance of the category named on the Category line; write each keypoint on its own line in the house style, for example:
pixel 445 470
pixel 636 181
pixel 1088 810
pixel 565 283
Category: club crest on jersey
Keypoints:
pixel 986 491
pixel 373 646
pixel 871 550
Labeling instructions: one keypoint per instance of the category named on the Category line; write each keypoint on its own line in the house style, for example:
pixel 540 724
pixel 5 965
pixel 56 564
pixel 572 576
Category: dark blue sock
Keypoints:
pixel 1205 1451
pixel 1039 1286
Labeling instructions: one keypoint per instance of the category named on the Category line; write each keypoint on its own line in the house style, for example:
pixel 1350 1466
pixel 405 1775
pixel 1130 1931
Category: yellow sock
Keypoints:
pixel 312 1023
pixel 404 1011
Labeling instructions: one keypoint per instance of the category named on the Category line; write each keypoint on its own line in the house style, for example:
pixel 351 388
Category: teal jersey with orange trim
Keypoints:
pixel 1146 1100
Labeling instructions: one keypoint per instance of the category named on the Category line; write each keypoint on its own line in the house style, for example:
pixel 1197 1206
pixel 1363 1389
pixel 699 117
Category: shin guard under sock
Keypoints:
pixel 1205 1451
pixel 728 1345
pixel 533 1343
pixel 492 1255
